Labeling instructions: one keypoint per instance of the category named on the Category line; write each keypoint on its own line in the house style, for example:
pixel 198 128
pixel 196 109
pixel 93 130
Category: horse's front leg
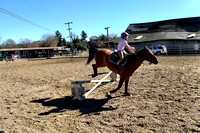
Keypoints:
pixel 119 85
pixel 95 70
pixel 126 88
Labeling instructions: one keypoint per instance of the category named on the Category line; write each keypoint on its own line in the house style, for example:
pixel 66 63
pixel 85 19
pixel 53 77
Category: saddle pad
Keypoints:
pixel 112 57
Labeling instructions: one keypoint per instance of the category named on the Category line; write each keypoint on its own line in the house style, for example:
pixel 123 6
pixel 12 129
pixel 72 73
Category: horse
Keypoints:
pixel 126 71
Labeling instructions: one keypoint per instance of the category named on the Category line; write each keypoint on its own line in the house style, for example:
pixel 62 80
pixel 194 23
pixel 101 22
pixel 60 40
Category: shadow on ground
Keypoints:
pixel 86 106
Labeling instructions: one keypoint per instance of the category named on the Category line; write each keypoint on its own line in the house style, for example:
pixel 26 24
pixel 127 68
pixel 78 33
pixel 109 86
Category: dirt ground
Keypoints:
pixel 35 96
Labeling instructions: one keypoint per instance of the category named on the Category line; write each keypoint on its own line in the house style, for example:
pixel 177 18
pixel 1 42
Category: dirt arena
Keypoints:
pixel 35 97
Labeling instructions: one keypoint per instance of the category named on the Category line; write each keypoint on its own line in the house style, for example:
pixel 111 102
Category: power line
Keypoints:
pixel 48 13
pixel 22 19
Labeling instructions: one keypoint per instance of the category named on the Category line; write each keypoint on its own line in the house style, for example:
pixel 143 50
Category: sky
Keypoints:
pixel 92 16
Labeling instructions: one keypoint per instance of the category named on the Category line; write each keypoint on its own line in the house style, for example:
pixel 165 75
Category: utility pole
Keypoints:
pixel 70 36
pixel 69 30
pixel 106 28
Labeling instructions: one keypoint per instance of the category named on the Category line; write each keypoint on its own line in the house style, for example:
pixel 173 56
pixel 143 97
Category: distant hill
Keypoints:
pixel 173 25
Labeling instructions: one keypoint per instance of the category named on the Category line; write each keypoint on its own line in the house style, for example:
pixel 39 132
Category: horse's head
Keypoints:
pixel 149 56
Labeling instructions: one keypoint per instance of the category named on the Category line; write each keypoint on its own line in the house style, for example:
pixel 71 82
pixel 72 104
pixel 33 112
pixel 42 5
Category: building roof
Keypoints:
pixel 35 48
pixel 175 29
pixel 174 25
pixel 158 36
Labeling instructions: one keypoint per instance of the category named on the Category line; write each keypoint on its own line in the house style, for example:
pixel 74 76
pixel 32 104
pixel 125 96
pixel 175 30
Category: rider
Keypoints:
pixel 120 48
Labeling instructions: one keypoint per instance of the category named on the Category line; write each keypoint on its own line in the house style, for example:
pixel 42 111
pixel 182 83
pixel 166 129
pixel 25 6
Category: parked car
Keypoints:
pixel 158 49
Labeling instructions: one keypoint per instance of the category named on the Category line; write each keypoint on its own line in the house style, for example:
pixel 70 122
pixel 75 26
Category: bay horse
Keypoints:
pixel 133 62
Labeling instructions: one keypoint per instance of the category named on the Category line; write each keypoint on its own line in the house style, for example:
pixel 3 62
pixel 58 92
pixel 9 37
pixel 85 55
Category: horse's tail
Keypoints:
pixel 92 52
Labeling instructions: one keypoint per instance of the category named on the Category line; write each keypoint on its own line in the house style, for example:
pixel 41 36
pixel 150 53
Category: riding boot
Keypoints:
pixel 117 68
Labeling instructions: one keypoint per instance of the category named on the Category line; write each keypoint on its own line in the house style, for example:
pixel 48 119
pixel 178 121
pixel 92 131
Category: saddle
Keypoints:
pixel 114 57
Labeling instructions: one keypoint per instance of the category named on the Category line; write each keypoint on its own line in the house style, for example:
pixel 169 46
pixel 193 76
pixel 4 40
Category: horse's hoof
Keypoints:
pixel 127 94
pixel 113 91
pixel 108 95
pixel 94 75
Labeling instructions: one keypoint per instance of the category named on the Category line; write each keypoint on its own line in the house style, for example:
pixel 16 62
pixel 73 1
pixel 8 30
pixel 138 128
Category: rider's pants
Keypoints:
pixel 121 56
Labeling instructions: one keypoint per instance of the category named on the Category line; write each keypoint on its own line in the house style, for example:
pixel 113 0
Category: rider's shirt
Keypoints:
pixel 122 45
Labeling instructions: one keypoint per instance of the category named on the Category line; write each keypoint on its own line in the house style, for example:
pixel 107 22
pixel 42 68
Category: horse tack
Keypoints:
pixel 133 62
pixel 114 57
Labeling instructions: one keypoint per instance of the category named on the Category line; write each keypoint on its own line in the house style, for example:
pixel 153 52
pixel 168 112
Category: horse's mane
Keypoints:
pixel 136 54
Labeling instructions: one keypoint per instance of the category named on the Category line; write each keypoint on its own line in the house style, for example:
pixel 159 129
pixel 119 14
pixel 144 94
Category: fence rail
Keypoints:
pixel 183 50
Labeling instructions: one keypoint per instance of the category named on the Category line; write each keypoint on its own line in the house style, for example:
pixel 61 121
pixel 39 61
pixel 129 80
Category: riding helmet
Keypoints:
pixel 124 34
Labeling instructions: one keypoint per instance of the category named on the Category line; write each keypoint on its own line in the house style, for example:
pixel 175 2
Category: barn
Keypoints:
pixel 31 52
pixel 180 36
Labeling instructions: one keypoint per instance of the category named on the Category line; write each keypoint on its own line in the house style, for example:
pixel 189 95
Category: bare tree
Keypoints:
pixel 74 36
pixel 26 43
pixel 95 42
pixel 9 43
pixel 112 36
pixel 48 41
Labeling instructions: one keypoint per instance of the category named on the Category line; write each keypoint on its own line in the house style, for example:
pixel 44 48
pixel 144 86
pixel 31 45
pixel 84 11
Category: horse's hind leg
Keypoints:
pixel 95 70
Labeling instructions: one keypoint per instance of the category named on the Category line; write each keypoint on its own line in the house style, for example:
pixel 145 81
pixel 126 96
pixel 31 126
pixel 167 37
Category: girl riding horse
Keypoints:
pixel 120 48
pixel 133 62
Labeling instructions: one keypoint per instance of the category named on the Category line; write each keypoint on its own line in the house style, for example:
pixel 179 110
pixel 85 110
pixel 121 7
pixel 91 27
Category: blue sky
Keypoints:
pixel 92 16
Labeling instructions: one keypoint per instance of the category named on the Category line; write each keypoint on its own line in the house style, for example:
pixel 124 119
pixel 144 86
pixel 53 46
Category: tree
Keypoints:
pixel 83 36
pixel 59 38
pixel 93 38
pixel 64 42
pixel 77 42
pixel 95 41
pixel 113 36
pixel 102 38
pixel 49 41
pixel 26 43
pixel 9 43
pixel 69 45
pixel 36 43
pixel 79 45
pixel 73 36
